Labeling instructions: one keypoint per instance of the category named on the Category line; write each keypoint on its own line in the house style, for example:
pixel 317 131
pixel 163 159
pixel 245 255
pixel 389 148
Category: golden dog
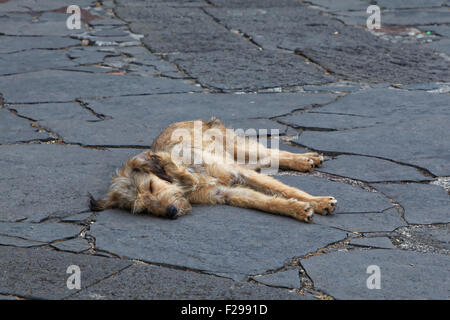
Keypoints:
pixel 163 183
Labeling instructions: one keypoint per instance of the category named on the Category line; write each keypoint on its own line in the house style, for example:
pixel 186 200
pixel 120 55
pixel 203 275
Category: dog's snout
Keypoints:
pixel 171 212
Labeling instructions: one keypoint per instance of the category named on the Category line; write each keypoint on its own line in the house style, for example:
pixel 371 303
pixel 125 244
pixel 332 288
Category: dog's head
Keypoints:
pixel 144 185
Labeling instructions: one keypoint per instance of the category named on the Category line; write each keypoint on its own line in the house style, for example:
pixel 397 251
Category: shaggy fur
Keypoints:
pixel 162 183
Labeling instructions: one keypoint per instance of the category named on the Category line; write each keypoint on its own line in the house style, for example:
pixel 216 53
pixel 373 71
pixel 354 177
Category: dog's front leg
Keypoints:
pixel 248 198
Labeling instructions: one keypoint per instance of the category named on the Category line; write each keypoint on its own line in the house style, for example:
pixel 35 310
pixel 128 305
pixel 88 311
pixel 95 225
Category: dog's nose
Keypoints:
pixel 171 212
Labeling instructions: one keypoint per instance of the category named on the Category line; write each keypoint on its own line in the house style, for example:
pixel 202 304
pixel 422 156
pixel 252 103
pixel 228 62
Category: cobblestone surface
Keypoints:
pixel 75 104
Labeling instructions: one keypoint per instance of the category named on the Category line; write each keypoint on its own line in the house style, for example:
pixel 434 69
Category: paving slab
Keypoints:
pixel 33 60
pixel 10 44
pixel 250 70
pixel 254 3
pixel 421 86
pixel 58 179
pixel 37 273
pixel 347 5
pixel 149 120
pixel 351 199
pixel 404 274
pixel 434 238
pixel 443 31
pixel 238 64
pixel 441 46
pixel 216 239
pixel 14 129
pixel 36 6
pixel 155 283
pixel 76 245
pixel 378 242
pixel 423 203
pixel 18 242
pixel 346 52
pixel 284 279
pixel 89 55
pixel 405 4
pixel 78 218
pixel 64 86
pixel 190 30
pixel 318 121
pixel 417 16
pixel 403 17
pixel 119 92
pixel 54 111
pixel 162 3
pixel 48 24
pixel 42 232
pixel 385 221
pixel 408 123
pixel 370 169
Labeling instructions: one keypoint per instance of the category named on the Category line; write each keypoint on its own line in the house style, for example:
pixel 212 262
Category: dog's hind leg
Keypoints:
pixel 248 198
pixel 248 151
pixel 296 161
pixel 269 185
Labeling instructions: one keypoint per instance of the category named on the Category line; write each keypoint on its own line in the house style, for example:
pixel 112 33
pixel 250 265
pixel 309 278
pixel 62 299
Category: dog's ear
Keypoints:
pixel 151 163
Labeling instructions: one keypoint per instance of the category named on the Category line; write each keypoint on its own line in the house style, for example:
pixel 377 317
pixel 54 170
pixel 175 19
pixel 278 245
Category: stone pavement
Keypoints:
pixel 75 104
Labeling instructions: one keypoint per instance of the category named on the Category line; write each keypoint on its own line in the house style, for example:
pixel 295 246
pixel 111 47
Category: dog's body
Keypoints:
pixel 161 182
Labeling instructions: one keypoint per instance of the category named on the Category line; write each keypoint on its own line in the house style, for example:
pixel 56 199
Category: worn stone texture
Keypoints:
pixel 370 169
pixel 58 179
pixel 54 111
pixel 407 124
pixel 404 274
pixel 151 282
pixel 237 63
pixel 284 279
pixel 42 232
pixel 18 242
pixel 64 86
pixel 14 129
pixel 33 60
pixel 75 245
pixel 351 199
pixel 405 17
pixel 75 104
pixel 378 242
pixel 11 44
pixel 48 24
pixel 423 203
pixel 385 221
pixel 37 6
pixel 236 111
pixel 250 70
pixel 344 51
pixel 404 4
pixel 37 273
pixel 215 239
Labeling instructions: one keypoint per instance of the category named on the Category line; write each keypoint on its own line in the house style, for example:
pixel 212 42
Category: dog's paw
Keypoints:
pixel 309 214
pixel 306 162
pixel 301 211
pixel 303 164
pixel 323 205
pixel 315 157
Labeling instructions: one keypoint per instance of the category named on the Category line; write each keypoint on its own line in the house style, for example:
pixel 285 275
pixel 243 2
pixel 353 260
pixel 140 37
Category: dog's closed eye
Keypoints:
pixel 150 187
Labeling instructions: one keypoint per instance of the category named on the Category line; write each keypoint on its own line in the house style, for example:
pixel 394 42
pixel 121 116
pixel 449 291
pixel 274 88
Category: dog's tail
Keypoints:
pixel 96 205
